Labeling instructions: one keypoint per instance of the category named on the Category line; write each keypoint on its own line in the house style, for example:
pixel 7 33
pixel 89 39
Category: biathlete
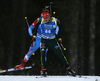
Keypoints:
pixel 35 45
pixel 48 27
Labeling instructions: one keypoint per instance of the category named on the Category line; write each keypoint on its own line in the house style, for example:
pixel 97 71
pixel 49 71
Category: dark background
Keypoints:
pixel 81 20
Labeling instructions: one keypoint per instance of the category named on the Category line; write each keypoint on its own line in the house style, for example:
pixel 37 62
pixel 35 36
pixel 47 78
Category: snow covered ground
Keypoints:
pixel 49 78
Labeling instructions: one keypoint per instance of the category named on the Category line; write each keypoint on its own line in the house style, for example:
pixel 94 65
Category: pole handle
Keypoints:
pixel 27 22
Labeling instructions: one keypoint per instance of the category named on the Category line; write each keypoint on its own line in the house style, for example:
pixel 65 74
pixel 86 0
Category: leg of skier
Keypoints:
pixel 41 72
pixel 32 49
pixel 56 47
pixel 43 63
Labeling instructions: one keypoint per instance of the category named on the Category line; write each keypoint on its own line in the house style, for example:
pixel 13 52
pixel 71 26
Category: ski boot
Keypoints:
pixel 20 66
pixel 71 71
pixel 41 71
pixel 44 73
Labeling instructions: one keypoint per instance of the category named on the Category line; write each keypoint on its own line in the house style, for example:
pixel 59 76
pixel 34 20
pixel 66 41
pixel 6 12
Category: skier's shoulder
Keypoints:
pixel 40 19
pixel 36 21
pixel 55 19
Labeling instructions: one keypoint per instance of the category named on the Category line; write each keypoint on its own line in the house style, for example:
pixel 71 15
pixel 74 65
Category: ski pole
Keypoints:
pixel 63 47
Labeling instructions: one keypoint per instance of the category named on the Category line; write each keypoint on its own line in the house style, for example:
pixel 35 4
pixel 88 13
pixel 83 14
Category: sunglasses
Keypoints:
pixel 45 17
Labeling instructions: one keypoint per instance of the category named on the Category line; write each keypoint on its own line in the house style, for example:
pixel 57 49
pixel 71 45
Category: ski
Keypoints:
pixel 80 76
pixel 41 76
pixel 14 69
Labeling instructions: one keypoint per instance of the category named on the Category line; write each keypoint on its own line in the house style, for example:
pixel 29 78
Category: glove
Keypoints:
pixel 60 41
pixel 34 38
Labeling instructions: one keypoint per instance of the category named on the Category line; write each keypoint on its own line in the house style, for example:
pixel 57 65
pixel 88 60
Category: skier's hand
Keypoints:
pixel 60 41
pixel 34 38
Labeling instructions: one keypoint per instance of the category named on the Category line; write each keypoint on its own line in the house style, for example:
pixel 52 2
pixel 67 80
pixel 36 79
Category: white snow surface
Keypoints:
pixel 48 78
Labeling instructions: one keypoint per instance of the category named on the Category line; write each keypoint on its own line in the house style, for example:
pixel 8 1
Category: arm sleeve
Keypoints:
pixel 57 30
pixel 30 30
pixel 33 26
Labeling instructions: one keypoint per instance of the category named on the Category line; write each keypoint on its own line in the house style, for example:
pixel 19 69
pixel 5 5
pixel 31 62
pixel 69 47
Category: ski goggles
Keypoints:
pixel 45 15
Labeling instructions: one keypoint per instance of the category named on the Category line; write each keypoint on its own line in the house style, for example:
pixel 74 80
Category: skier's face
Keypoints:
pixel 47 19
